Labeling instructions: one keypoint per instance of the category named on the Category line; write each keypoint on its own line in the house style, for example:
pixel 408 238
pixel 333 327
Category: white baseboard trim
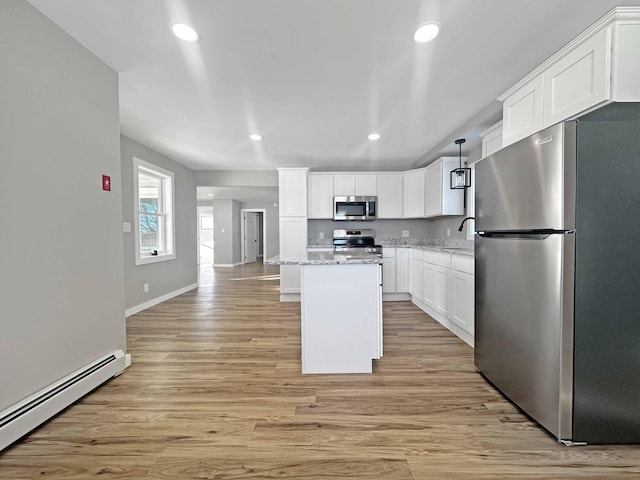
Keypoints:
pixel 465 336
pixel 395 297
pixel 290 297
pixel 155 301
pixel 227 265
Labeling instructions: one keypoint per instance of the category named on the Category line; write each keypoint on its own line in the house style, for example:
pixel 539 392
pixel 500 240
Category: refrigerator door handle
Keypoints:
pixel 525 234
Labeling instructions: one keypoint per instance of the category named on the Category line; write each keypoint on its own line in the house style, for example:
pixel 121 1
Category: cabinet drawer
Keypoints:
pixel 463 263
pixel 438 258
pixel 417 254
pixel 389 252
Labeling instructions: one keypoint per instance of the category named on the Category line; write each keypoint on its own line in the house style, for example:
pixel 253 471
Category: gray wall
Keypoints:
pixel 61 280
pixel 223 236
pixel 233 178
pixel 162 277
pixel 272 222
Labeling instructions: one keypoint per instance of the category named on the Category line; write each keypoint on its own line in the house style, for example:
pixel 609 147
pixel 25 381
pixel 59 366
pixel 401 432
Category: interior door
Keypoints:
pixel 250 237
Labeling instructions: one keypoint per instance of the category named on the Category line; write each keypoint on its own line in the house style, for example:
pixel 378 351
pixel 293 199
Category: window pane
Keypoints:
pixel 149 233
pixel 150 190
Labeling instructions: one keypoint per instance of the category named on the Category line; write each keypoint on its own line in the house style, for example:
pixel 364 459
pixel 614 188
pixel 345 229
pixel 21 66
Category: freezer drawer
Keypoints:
pixel 521 325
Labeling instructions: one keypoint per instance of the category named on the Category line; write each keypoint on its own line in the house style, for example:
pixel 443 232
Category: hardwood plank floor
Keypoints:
pixel 215 392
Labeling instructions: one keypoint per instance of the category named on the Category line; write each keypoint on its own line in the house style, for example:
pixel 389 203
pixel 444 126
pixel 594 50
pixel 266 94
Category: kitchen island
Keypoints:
pixel 341 310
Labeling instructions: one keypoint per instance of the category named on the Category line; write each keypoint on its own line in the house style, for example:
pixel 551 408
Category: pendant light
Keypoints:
pixel 460 178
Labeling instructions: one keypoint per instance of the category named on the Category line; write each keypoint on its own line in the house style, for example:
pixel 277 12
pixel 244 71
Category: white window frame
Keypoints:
pixel 167 212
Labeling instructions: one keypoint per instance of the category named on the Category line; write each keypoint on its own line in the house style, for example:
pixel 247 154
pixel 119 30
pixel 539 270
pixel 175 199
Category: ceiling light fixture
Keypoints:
pixel 255 136
pixel 185 32
pixel 374 136
pixel 426 32
pixel 460 178
pixel 210 194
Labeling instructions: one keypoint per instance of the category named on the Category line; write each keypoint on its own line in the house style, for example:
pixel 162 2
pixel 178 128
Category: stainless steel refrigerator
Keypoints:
pixel 557 327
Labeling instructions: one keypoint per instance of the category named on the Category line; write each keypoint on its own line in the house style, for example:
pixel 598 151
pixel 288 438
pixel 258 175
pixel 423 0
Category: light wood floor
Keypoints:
pixel 215 392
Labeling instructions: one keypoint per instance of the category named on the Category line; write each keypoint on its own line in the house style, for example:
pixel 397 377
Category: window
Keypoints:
pixel 153 196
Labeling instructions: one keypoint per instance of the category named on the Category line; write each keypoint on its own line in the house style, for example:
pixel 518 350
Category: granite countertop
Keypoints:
pixel 469 252
pixel 324 258
pixel 457 247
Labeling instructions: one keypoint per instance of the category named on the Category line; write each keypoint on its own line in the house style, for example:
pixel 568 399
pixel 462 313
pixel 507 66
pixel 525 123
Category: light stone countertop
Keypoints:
pixel 324 258
pixel 468 252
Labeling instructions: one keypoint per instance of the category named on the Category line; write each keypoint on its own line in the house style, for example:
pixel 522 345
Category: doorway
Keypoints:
pixel 205 235
pixel 252 234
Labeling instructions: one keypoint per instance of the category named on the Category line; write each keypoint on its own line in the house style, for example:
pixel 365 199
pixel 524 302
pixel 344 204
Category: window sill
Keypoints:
pixel 154 258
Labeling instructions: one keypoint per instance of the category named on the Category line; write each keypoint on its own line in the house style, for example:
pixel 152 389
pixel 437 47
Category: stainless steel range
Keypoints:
pixel 355 241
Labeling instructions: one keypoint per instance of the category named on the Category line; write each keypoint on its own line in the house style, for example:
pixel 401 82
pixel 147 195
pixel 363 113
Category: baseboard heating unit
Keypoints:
pixel 22 417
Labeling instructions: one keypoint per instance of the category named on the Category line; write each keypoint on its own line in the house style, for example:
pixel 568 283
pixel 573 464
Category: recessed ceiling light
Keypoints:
pixel 185 32
pixel 374 136
pixel 255 136
pixel 210 194
pixel 426 32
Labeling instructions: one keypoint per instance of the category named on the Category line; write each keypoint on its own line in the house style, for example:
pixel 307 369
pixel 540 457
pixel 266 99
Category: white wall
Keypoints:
pixel 61 275
pixel 172 275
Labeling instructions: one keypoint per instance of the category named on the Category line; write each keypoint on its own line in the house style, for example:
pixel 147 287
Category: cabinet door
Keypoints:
pixel 579 80
pixel 522 112
pixel 293 192
pixel 429 284
pixel 462 300
pixel 344 184
pixel 389 188
pixel 403 268
pixel 389 284
pixel 492 139
pixel 293 241
pixel 442 298
pixel 433 189
pixel 320 196
pixel 366 185
pixel 413 184
pixel 416 278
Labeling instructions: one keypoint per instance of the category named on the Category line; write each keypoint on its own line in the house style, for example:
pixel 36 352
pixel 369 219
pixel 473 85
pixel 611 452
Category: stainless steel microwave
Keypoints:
pixel 354 208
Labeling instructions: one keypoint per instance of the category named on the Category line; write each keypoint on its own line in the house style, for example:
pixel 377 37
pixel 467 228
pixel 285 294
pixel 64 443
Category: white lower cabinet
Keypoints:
pixel 462 300
pixel 442 284
pixel 416 278
pixel 396 272
pixel 403 270
pixel 389 272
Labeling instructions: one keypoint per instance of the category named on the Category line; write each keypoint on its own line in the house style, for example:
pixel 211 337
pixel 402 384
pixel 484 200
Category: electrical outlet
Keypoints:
pixel 321 235
pixel 405 233
pixel 146 288
pixel 448 232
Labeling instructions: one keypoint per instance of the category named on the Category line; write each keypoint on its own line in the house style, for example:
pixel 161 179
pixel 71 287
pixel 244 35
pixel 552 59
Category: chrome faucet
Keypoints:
pixel 463 221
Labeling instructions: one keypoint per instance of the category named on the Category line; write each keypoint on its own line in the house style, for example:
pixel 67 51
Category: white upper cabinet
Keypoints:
pixel 492 139
pixel 366 185
pixel 293 192
pixel 349 184
pixel 320 195
pixel 344 185
pixel 599 66
pixel 414 201
pixel 522 111
pixel 440 198
pixel 579 80
pixel 389 188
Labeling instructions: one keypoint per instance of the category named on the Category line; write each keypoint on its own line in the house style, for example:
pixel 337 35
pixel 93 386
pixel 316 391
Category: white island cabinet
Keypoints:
pixel 341 311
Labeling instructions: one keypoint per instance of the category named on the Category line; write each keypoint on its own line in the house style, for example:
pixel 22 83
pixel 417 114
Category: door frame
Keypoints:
pixel 200 210
pixel 264 230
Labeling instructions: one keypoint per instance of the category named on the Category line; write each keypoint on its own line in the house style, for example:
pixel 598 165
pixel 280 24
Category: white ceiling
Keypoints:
pixel 315 77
